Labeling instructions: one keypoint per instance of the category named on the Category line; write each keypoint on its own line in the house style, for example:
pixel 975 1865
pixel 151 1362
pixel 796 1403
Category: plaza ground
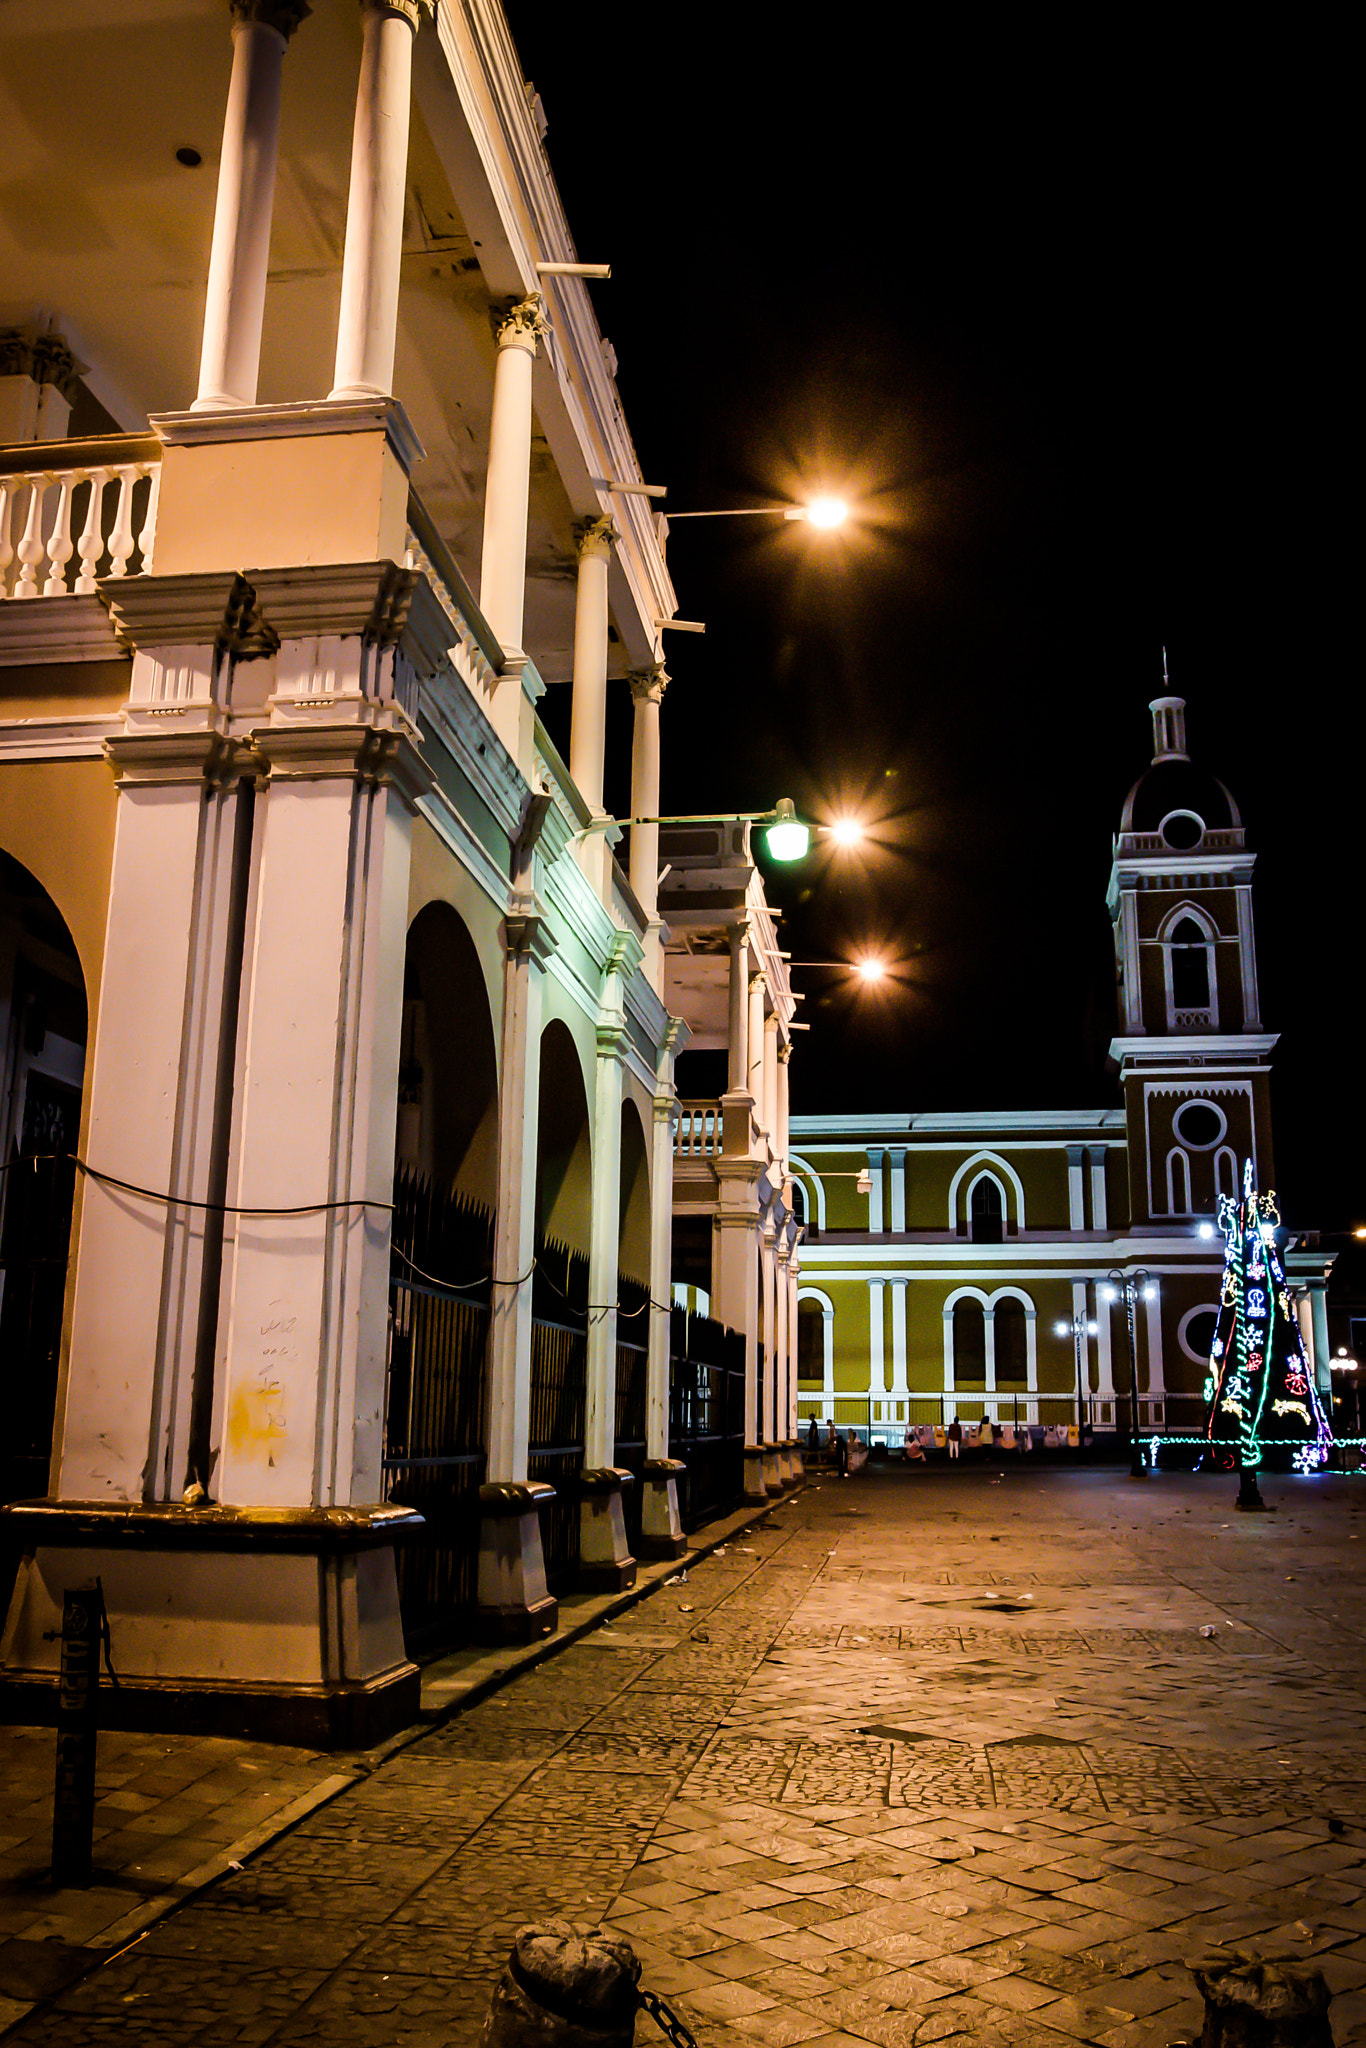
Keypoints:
pixel 956 1755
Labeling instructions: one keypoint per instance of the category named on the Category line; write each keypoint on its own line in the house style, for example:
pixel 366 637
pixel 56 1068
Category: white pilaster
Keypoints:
pixel 877 1361
pixel 1104 1351
pixel 875 1159
pixel 754 1079
pixel 784 1378
pixel 529 947
pixel 770 1109
pixel 502 575
pixel 1076 1191
pixel 1247 959
pixel 1156 1383
pixel 737 1066
pixel 368 325
pixel 1320 1355
pixel 989 1363
pixel 769 1415
pixel 897 1155
pixel 661 1238
pixel 234 305
pixel 900 1388
pixel 1099 1209
pixel 1081 1345
pixel 647 693
pixel 588 718
pixel 782 1137
pixel 605 1208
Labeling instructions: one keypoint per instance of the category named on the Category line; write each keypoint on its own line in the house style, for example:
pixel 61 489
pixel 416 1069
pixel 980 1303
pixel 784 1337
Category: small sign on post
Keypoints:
pixel 73 1800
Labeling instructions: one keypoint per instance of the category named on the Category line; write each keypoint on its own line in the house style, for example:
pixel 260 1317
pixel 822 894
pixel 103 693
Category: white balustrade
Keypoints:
pixel 699 1130
pixel 112 530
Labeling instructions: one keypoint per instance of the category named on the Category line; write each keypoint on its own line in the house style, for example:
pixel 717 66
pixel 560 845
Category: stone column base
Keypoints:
pixel 661 1527
pixel 605 1563
pixel 515 1604
pixel 755 1489
pixel 773 1479
pixel 272 1624
pixel 783 1454
pixel 798 1461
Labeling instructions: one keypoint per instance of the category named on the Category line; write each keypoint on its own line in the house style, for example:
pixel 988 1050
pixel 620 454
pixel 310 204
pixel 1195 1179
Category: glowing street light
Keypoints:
pixel 845 831
pixel 787 838
pixel 823 513
pixel 826 513
pixel 787 835
pixel 1131 1288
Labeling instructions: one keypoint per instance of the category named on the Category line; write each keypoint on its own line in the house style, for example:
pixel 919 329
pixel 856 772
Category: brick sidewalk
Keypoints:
pixel 930 1757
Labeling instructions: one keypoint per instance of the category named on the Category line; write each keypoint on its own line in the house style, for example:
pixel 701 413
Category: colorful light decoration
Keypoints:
pixel 1258 1370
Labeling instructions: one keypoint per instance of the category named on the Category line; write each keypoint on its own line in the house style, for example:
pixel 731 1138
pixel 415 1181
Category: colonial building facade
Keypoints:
pixel 339 1048
pixel 1027 1266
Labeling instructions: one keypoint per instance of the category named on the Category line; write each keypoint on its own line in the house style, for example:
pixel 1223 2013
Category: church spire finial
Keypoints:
pixel 1169 723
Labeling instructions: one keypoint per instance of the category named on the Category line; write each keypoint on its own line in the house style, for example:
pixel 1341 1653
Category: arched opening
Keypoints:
pixel 1178 1182
pixel 810 1342
pixel 448 1070
pixel 445 1190
pixel 986 1210
pixel 1011 1343
pixel 43 1030
pixel 969 1345
pixel 633 1300
pixel 1190 965
pixel 559 1337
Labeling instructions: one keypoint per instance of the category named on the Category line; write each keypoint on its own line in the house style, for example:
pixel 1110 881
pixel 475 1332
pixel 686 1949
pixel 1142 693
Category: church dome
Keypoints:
pixel 1174 797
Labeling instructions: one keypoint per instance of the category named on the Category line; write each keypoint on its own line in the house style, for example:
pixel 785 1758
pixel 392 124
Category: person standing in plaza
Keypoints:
pixel 955 1436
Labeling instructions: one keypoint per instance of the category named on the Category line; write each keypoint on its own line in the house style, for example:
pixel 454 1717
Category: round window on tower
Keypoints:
pixel 1195 1334
pixel 1182 830
pixel 1200 1125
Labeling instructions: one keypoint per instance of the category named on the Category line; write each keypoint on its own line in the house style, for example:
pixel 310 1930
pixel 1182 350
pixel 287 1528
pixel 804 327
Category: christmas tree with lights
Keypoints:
pixel 1263 1405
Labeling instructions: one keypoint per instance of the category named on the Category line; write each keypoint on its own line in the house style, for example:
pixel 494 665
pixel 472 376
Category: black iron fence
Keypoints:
pixel 434 1457
pixel 633 1342
pixel 559 1399
pixel 707 1414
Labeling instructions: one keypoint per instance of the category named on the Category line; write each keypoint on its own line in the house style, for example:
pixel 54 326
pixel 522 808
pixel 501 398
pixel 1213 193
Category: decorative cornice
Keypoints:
pixel 526 932
pixel 35 631
pixel 649 684
pixel 595 538
pixel 283 16
pixel 521 326
pixel 365 599
pixel 288 422
pixel 624 953
pixel 215 608
pixel 45 358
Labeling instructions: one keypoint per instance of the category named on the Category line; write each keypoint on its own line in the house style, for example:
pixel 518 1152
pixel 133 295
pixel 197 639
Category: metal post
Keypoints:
pixel 73 1798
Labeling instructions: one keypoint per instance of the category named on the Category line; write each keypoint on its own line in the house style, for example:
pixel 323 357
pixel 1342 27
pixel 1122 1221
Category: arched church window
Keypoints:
pixel 1012 1356
pixel 1190 965
pixel 986 1212
pixel 969 1344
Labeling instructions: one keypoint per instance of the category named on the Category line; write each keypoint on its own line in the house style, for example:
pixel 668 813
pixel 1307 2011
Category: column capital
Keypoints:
pixel 283 16
pixel 520 326
pixel 785 1052
pixel 595 538
pixel 649 684
pixel 412 11
pixel 526 932
pixel 757 983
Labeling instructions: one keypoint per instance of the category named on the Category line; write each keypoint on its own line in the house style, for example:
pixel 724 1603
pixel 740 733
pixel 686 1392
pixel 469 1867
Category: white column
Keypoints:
pixel 766 1282
pixel 1156 1383
pixel 234 304
pixel 1320 1356
pixel 529 947
pixel 950 1405
pixel 989 1363
pixel 1099 1212
pixel 368 325
pixel 783 1376
pixel 1133 992
pixel 647 692
pixel 661 1237
pixel 754 1078
pixel 1105 1350
pixel 1247 959
pixel 1076 1189
pixel 737 1067
pixel 604 1226
pixel 770 1108
pixel 897 1156
pixel 877 1361
pixel 794 1270
pixel 900 1388
pixel 307 1295
pixel 123 1433
pixel 1032 1365
pixel 782 1136
pixel 588 717
pixel 502 574
pixel 875 1158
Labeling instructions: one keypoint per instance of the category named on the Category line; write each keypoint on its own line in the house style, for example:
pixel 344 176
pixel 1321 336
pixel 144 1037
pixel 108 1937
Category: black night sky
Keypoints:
pixel 1064 320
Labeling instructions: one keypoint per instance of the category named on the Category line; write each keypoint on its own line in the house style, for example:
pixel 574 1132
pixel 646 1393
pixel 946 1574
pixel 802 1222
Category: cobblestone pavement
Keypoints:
pixel 926 1757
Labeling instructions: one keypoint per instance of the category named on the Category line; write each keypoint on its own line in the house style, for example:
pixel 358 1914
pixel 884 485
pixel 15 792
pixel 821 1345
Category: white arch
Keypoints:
pixel 964 1294
pixel 1198 916
pixel 1226 1157
pixel 808 1293
pixel 1031 1338
pixel 1178 1169
pixel 796 1165
pixel 1001 1166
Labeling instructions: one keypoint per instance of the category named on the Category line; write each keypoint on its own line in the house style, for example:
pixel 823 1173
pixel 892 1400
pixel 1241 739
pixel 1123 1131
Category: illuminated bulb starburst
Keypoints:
pixel 827 512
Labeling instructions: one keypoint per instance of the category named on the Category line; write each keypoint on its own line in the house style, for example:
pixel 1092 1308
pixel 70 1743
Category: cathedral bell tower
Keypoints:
pixel 1194 1061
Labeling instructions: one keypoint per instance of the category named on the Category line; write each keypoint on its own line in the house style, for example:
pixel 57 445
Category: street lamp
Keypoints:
pixel 1079 1328
pixel 787 835
pixel 1130 1288
pixel 1345 1363
pixel 825 513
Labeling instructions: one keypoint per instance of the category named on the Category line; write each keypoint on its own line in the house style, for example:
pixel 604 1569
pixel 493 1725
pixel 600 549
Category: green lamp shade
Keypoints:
pixel 787 838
